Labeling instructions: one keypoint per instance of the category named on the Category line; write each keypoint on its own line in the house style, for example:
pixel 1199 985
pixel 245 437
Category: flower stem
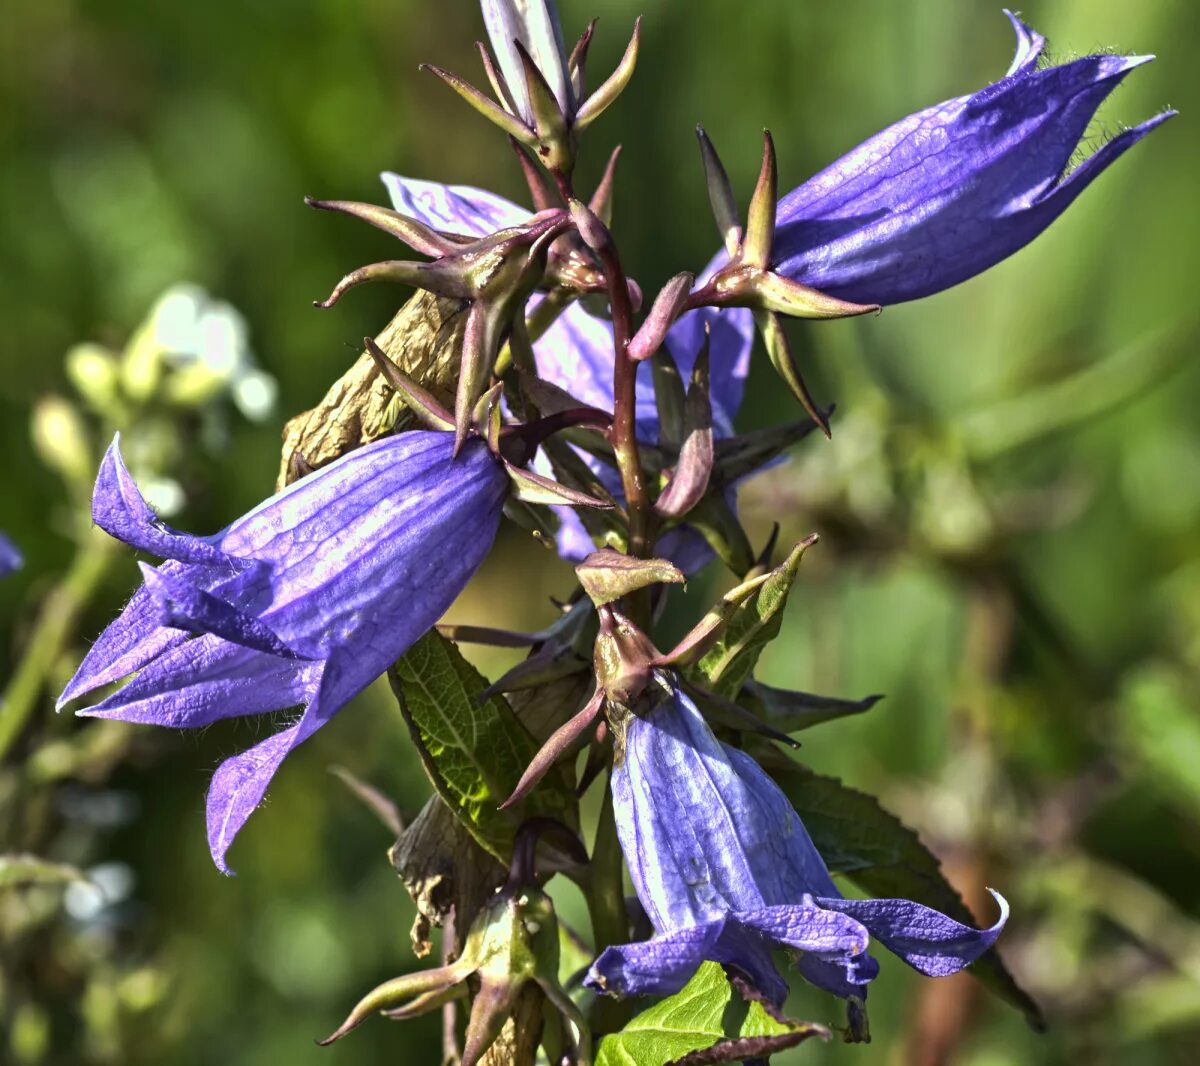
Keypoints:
pixel 53 629
pixel 624 429
pixel 605 894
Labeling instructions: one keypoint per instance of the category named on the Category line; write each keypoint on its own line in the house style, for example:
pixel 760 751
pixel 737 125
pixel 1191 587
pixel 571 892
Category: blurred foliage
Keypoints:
pixel 1009 541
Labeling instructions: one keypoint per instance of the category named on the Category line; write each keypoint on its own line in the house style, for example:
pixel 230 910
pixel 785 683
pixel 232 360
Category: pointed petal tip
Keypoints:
pixel 1002 903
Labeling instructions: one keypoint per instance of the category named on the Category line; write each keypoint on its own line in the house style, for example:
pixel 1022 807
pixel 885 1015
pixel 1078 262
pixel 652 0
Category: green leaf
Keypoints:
pixel 474 751
pixel 705 1016
pixel 729 663
pixel 20 870
pixel 886 859
pixel 790 711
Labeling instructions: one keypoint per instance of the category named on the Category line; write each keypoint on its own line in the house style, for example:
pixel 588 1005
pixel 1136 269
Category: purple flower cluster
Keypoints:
pixel 307 599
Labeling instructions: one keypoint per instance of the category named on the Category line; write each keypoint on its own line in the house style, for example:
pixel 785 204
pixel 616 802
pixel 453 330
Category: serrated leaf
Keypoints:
pixel 706 1021
pixel 886 859
pixel 730 662
pixel 474 751
pixel 21 870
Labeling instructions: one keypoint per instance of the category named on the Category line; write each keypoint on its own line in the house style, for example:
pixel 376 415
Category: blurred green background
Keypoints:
pixel 1009 510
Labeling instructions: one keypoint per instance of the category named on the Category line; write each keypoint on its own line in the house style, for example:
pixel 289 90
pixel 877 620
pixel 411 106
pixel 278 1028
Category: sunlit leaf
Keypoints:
pixel 705 1022
pixel 728 665
pixel 474 751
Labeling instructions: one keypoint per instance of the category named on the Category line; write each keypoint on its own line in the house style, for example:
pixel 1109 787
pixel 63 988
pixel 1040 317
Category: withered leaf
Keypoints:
pixel 424 339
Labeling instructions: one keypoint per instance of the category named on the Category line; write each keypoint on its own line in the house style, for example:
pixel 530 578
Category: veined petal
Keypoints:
pixel 347 568
pixel 662 965
pixel 657 967
pixel 806 926
pixel 240 783
pixel 1030 45
pixel 184 606
pixel 460 209
pixel 704 829
pixel 208 679
pixel 118 509
pixel 950 191
pixel 683 821
pixel 929 941
pixel 238 788
pixel 135 638
pixel 535 24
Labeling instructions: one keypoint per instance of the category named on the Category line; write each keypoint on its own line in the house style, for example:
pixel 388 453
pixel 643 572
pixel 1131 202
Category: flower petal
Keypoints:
pixel 208 679
pixel 452 208
pixel 949 191
pixel 118 509
pixel 1030 45
pixel 240 783
pixel 238 788
pixel 806 926
pixel 844 975
pixel 183 606
pixel 929 941
pixel 657 967
pixel 134 639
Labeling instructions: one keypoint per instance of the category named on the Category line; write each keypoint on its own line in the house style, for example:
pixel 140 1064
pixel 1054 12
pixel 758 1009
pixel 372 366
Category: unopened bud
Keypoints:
pixel 624 658
pixel 61 439
pixel 93 372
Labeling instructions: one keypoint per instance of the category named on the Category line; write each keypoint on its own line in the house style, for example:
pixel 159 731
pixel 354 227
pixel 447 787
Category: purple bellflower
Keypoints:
pixel 11 559
pixel 726 871
pixel 950 191
pixel 302 602
pixel 576 352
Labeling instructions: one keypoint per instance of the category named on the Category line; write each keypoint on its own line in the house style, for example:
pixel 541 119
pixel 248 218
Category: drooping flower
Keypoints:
pixel 11 559
pixel 950 191
pixel 726 872
pixel 303 601
pixel 576 352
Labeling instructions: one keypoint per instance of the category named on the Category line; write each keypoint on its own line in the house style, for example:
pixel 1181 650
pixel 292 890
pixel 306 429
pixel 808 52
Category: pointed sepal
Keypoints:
pixel 760 220
pixel 689 480
pixel 720 194
pixel 536 488
pixel 487 107
pixel 415 234
pixel 779 351
pixel 439 277
pixel 596 104
pixel 422 403
pixel 791 711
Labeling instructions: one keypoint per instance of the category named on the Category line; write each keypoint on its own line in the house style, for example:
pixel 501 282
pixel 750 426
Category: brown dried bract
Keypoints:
pixel 424 340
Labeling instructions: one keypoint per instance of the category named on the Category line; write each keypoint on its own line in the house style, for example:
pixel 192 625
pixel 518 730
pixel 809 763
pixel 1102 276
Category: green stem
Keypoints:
pixel 540 319
pixel 606 887
pixel 605 894
pixel 55 626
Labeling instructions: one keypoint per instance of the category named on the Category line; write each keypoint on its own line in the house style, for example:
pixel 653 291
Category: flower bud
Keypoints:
pixel 61 440
pixel 92 370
